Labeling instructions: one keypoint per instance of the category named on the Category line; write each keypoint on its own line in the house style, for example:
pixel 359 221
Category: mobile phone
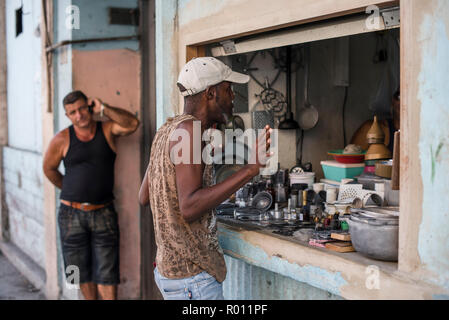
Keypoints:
pixel 91 107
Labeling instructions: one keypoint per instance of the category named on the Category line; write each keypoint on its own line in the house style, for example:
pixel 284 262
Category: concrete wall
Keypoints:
pixel 434 140
pixel 22 163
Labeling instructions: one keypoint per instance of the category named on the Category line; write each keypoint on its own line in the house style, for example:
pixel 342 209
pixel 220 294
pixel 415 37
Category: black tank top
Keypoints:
pixel 89 169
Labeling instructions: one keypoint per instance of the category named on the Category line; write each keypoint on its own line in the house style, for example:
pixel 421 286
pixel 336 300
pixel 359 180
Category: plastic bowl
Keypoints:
pixel 347 158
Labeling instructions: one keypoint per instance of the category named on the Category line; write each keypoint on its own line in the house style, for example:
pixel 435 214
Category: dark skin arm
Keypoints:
pixel 194 200
pixel 190 193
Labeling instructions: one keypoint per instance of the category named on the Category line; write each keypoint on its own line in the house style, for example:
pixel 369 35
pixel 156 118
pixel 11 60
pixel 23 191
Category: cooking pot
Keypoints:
pixel 375 233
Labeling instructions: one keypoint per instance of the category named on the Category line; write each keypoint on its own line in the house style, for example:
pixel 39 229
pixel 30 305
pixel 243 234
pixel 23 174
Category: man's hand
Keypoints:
pixel 96 103
pixel 259 153
pixel 122 123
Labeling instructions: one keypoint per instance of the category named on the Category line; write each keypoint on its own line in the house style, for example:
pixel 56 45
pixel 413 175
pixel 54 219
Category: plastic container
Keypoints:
pixel 336 171
pixel 305 178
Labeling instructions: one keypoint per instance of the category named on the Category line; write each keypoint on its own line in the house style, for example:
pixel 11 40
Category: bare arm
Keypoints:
pixel 144 195
pixel 53 158
pixel 194 200
pixel 123 122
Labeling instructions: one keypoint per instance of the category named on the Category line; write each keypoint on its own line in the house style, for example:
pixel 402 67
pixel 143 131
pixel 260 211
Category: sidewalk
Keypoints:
pixel 13 286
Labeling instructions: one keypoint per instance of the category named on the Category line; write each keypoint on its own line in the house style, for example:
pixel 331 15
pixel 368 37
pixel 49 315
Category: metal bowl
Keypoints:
pixel 375 234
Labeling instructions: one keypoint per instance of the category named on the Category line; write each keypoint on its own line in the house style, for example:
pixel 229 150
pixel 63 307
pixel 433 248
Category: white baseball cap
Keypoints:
pixel 200 73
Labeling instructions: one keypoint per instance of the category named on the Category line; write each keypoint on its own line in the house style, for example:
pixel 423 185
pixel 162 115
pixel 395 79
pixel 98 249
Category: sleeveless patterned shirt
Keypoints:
pixel 183 249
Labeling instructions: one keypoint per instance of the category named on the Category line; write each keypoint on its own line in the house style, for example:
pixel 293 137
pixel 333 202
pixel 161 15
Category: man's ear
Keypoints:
pixel 210 93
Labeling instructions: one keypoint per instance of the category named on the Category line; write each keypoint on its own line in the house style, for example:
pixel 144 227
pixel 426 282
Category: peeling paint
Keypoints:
pixel 435 157
pixel 248 282
pixel 234 245
pixel 97 25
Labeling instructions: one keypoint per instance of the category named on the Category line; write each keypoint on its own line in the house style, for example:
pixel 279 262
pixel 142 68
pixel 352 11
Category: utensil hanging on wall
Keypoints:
pixel 289 123
pixel 308 115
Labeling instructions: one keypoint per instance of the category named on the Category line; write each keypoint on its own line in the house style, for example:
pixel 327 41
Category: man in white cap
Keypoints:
pixel 189 260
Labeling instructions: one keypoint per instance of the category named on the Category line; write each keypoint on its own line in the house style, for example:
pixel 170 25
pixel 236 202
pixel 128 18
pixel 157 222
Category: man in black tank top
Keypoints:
pixel 87 219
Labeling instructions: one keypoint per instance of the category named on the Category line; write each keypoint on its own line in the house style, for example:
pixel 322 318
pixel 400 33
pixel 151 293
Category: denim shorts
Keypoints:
pixel 199 287
pixel 90 244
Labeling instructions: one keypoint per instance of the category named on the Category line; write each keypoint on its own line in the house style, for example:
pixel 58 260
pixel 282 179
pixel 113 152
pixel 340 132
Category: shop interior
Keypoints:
pixel 336 104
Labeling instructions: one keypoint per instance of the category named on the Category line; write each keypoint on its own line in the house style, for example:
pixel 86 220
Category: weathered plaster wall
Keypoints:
pixel 23 155
pixel 94 23
pixel 3 116
pixel 62 64
pixel 3 79
pixel 24 77
pixel 199 22
pixel 349 275
pixel 167 96
pixel 248 282
pixel 423 237
pixel 23 194
pixel 433 95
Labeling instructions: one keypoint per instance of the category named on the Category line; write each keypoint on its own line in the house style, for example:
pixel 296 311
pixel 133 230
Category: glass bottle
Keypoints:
pixel 305 208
